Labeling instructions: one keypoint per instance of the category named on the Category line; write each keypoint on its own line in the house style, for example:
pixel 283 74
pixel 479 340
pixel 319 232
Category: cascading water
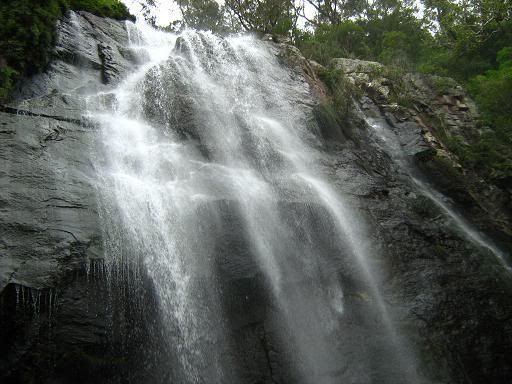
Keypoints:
pixel 213 133
pixel 391 144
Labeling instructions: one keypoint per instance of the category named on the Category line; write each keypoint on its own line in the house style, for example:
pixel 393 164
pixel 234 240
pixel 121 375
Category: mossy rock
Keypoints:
pixel 328 122
pixel 447 178
pixel 424 207
pixel 28 33
pixel 114 9
pixel 425 156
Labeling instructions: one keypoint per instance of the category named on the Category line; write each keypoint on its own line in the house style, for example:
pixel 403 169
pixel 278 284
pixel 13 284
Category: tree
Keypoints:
pixel 203 15
pixel 268 16
pixel 346 39
pixel 330 11
pixel 468 34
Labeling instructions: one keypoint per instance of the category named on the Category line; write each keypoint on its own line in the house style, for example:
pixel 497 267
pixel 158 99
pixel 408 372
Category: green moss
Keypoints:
pixel 27 33
pixel 330 124
pixel 342 93
pixel 7 78
pixel 423 207
pixel 105 8
pixel 441 84
pixel 426 155
pixel 440 252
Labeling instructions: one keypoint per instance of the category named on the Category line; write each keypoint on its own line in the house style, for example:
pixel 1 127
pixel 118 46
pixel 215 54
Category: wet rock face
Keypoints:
pixel 90 52
pixel 64 318
pixel 49 221
pixel 426 113
pixel 443 285
pixel 48 199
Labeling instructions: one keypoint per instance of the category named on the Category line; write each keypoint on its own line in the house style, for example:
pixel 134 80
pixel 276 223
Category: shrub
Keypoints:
pixel 343 40
pixel 106 8
pixel 493 92
pixel 27 33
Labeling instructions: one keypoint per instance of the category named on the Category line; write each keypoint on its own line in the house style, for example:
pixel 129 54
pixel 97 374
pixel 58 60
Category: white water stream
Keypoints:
pixel 392 145
pixel 212 132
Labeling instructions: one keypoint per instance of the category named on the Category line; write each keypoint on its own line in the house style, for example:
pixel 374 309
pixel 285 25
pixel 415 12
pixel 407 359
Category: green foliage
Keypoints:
pixel 342 92
pixel 203 15
pixel 493 93
pixel 467 40
pixel 7 78
pixel 267 16
pixel 346 39
pixel 394 45
pixel 442 84
pixel 27 33
pixel 489 156
pixel 396 38
pixel 469 36
pixel 106 8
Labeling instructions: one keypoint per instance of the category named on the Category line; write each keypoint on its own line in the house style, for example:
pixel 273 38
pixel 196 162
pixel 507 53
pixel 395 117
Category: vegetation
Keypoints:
pixel 342 92
pixel 468 40
pixel 203 14
pixel 114 9
pixel 493 93
pixel 268 16
pixel 27 33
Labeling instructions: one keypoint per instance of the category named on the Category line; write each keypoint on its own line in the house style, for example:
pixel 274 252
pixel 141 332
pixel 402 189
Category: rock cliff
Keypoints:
pixel 443 277
pixel 48 217
pixel 63 320
pixel 428 113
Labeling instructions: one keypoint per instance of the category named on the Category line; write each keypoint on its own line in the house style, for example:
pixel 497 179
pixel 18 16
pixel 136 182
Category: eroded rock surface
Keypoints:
pixel 64 318
pixel 49 225
pixel 48 198
pixel 446 285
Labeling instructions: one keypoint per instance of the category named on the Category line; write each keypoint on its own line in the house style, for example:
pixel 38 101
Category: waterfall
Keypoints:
pixel 390 143
pixel 210 168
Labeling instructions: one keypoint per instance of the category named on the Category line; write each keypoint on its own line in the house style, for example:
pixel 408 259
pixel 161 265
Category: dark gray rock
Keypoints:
pixel 48 194
pixel 90 52
pixel 48 198
pixel 67 318
pixel 54 323
pixel 443 291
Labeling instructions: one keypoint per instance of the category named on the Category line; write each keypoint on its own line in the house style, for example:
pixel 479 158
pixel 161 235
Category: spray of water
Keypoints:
pixel 392 145
pixel 209 124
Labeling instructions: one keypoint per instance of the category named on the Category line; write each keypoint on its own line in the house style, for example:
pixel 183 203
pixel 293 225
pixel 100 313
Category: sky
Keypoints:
pixel 168 11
